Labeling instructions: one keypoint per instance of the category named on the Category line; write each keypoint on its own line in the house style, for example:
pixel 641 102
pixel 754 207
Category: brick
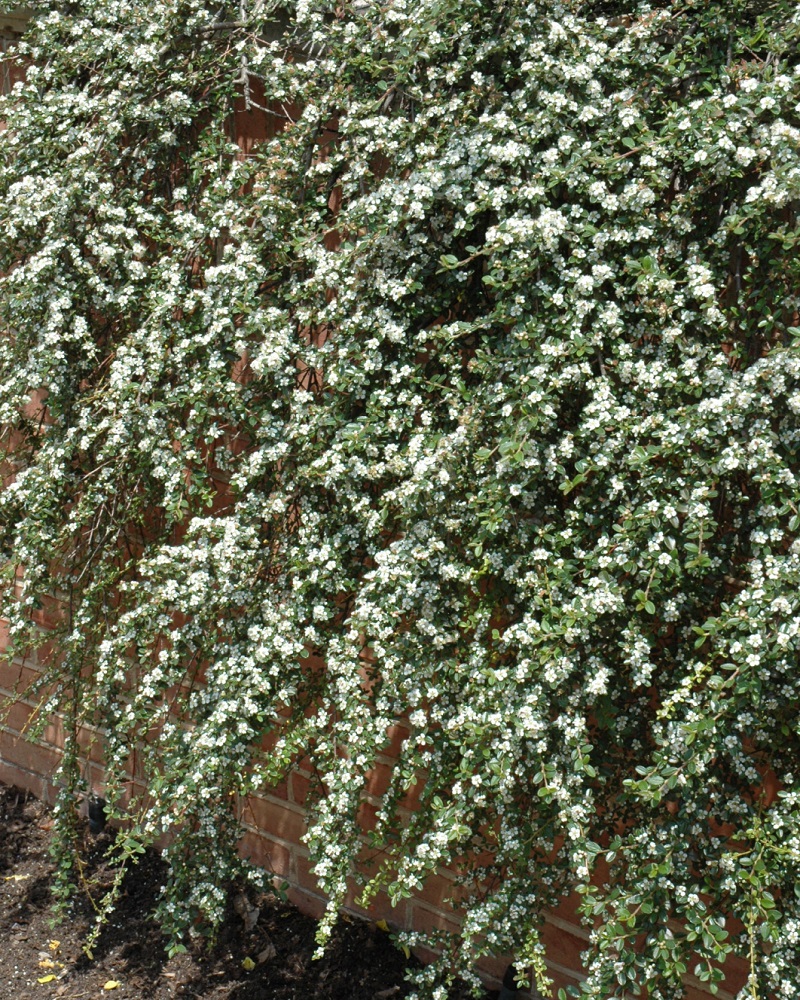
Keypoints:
pixel 380 908
pixel 299 785
pixel 53 732
pixel 567 909
pixel 16 676
pixel 95 777
pixel 282 820
pixel 267 853
pixel 396 735
pixel 17 717
pixel 29 756
pixel 493 968
pixel 135 765
pixel 18 777
pixel 311 663
pixel 307 902
pixel 221 498
pixel 367 816
pixel 21 716
pixel 306 879
pixel 562 947
pixel 424 955
pixel 305 766
pixel 426 918
pixel 435 892
pixel 50 615
pixel 268 741
pixel 378 779
pixel 279 791
pixel 48 654
pixel 305 893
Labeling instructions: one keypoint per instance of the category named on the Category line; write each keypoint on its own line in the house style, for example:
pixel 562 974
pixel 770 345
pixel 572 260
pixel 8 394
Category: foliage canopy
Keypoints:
pixel 478 381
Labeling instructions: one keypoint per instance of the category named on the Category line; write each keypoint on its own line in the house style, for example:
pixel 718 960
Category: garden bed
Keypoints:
pixel 361 962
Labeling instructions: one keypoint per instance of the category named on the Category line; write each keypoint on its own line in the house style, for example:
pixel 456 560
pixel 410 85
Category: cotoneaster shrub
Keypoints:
pixel 479 383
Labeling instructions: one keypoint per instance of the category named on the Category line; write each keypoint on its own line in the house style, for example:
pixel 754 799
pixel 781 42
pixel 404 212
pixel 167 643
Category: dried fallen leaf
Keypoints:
pixel 54 945
pixel 46 979
pixel 46 963
pixel 112 984
pixel 246 911
pixel 15 878
pixel 267 952
pixel 248 964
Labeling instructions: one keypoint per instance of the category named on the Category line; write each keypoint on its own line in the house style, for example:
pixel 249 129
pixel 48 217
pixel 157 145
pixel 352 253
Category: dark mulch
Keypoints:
pixel 361 962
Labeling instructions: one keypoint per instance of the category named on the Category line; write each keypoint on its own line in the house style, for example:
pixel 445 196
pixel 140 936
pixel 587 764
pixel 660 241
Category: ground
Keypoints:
pixel 39 960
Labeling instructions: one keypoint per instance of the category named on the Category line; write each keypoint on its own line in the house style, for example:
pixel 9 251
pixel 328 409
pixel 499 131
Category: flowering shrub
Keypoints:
pixel 478 381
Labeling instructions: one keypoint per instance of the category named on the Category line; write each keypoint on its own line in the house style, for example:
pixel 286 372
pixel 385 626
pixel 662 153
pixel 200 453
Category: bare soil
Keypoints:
pixel 361 962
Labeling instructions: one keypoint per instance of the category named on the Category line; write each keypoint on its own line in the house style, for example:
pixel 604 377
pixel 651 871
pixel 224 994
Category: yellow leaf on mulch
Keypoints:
pixel 54 945
pixel 46 979
pixel 112 984
pixel 47 964
pixel 248 964
pixel 15 878
pixel 381 925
